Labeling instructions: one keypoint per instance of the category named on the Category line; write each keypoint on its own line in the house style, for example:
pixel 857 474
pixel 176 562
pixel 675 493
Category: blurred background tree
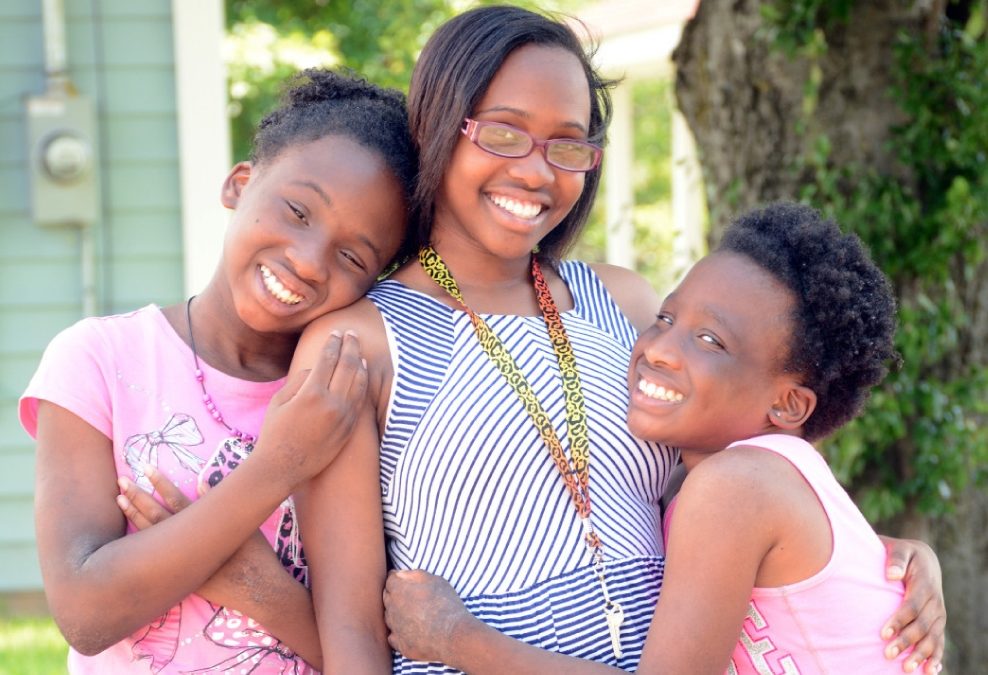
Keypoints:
pixel 876 111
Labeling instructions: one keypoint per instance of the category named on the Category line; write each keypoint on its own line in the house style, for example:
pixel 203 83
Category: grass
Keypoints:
pixel 31 646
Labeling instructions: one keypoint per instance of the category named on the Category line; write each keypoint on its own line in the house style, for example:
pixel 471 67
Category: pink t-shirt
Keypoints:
pixel 830 622
pixel 132 377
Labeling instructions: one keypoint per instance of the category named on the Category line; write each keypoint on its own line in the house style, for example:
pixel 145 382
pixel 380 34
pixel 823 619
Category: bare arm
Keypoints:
pixel 253 581
pixel 711 570
pixel 340 515
pixel 633 294
pixel 101 585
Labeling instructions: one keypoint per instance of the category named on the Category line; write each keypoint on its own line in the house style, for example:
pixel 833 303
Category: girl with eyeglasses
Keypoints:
pixel 495 443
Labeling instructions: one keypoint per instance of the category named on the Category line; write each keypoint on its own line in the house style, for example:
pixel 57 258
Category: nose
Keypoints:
pixel 533 170
pixel 310 260
pixel 662 347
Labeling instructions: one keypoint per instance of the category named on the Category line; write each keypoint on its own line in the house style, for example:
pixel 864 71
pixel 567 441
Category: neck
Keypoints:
pixel 225 342
pixel 472 266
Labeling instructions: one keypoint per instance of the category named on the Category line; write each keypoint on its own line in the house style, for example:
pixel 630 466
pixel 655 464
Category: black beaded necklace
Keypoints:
pixel 207 400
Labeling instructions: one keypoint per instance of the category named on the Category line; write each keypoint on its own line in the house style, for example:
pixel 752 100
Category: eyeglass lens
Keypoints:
pixel 502 140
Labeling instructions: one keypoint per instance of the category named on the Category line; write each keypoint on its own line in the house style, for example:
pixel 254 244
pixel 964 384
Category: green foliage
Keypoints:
pixel 268 41
pixel 923 436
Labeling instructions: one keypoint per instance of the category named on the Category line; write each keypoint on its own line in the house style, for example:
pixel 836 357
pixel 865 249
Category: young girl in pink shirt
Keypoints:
pixel 769 343
pixel 172 399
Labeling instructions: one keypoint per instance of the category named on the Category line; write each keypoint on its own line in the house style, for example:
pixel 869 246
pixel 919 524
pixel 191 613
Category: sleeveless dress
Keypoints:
pixel 469 489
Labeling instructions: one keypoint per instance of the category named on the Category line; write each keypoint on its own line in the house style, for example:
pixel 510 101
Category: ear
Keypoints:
pixel 793 407
pixel 233 185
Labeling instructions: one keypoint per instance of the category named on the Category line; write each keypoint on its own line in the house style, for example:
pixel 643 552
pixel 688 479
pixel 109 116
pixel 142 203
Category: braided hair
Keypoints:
pixel 844 317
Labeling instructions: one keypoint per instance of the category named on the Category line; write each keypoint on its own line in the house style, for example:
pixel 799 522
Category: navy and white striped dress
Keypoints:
pixel 470 492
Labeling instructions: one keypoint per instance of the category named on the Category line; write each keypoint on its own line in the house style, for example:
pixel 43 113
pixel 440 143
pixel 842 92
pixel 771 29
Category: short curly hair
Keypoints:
pixel 844 319
pixel 319 102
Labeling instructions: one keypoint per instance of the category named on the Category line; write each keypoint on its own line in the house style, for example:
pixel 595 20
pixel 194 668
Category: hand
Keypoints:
pixel 423 614
pixel 922 617
pixel 310 420
pixel 232 582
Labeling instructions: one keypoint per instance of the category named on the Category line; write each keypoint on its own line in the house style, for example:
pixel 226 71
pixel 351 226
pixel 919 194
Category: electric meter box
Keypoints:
pixel 64 168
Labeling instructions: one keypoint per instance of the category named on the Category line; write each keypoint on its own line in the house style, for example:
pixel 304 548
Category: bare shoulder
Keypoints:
pixel 750 480
pixel 632 292
pixel 362 318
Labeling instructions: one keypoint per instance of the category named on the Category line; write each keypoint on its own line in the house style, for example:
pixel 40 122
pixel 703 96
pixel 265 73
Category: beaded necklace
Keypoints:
pixel 575 470
pixel 207 400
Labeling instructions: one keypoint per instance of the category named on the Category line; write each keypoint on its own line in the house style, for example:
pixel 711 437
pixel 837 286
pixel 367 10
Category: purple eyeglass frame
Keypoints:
pixel 471 129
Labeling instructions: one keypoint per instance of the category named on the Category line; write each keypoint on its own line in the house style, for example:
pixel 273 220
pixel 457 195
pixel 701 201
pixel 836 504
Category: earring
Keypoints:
pixel 777 413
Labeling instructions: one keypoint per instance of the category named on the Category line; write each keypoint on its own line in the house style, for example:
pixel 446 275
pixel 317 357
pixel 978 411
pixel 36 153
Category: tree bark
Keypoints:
pixel 744 101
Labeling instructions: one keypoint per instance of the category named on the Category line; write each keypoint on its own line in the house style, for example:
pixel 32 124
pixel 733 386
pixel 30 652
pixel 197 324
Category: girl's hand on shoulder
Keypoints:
pixel 423 614
pixel 310 420
pixel 921 619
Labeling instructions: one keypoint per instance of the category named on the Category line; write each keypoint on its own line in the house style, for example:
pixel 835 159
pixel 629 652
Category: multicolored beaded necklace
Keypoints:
pixel 575 470
pixel 207 400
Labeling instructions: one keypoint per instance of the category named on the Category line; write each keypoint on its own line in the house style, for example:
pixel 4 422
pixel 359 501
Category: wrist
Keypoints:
pixel 465 637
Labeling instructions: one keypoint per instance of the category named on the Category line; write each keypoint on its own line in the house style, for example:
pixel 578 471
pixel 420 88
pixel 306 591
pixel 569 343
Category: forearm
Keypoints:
pixel 255 583
pixel 112 586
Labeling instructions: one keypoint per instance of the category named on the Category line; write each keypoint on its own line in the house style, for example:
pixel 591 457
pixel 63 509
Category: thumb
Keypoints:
pixel 292 384
pixel 896 564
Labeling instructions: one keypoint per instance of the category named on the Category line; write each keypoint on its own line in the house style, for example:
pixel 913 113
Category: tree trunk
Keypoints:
pixel 745 102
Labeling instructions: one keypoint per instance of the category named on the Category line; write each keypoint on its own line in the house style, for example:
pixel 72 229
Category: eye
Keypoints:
pixel 353 260
pixel 297 213
pixel 663 318
pixel 711 340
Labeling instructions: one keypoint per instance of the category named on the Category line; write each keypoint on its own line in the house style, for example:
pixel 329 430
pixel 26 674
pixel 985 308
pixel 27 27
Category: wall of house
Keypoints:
pixel 120 54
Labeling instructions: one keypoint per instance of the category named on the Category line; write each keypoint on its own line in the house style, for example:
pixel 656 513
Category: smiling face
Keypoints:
pixel 311 230
pixel 507 205
pixel 709 371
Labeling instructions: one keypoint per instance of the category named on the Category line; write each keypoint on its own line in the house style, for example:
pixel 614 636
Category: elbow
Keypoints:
pixel 84 639
pixel 85 631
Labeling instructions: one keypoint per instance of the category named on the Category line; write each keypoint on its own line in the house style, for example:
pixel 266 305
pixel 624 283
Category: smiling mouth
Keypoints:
pixel 516 207
pixel 277 289
pixel 659 393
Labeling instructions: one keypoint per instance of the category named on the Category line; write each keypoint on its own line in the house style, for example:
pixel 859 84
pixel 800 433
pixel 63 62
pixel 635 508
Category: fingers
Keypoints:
pixel 174 498
pixel 925 635
pixel 138 506
pixel 290 388
pixel 341 368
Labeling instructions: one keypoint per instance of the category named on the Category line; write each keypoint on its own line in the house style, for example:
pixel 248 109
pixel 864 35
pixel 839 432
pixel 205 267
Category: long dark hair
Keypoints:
pixel 451 76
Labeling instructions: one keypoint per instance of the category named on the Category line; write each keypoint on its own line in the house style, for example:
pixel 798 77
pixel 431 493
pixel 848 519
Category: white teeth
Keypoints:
pixel 278 290
pixel 659 392
pixel 526 210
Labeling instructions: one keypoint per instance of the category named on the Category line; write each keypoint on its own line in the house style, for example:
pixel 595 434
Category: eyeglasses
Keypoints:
pixel 505 140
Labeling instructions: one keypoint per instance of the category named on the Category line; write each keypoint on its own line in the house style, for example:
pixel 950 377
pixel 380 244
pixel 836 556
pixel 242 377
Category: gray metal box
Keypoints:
pixel 63 158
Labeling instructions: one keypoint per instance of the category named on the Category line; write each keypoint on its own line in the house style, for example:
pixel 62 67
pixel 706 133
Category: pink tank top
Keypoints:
pixel 830 622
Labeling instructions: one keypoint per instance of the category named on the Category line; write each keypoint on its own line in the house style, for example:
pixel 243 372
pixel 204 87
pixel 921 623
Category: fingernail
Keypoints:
pixel 335 333
pixel 909 667
pixel 896 572
pixel 123 502
pixel 148 469
pixel 887 633
pixel 364 361
pixel 351 332
pixel 892 652
pixel 123 482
